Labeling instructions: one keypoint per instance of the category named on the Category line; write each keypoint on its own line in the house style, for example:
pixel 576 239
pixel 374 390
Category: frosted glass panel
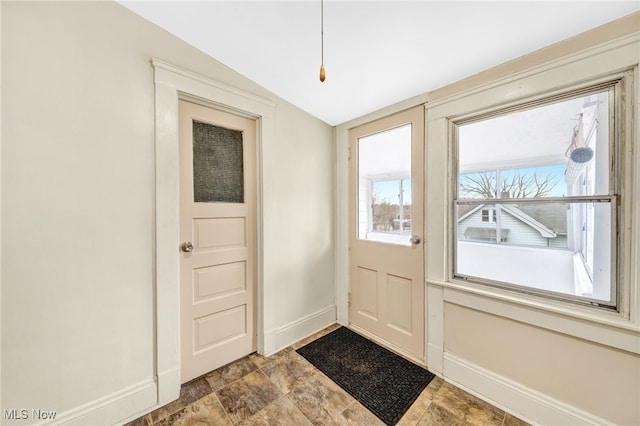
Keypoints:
pixel 218 174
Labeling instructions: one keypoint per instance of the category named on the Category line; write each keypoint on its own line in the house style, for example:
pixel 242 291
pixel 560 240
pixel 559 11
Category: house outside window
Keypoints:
pixel 535 206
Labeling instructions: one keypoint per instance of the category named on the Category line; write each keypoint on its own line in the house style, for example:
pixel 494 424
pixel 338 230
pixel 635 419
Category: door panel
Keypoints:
pixel 366 293
pixel 399 303
pixel 386 210
pixel 219 281
pixel 217 216
pixel 220 233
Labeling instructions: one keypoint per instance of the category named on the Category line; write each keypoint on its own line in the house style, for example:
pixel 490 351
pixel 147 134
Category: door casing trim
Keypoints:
pixel 170 84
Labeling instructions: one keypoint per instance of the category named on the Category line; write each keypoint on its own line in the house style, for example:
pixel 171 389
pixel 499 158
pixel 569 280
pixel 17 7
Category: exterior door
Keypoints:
pixel 386 216
pixel 217 230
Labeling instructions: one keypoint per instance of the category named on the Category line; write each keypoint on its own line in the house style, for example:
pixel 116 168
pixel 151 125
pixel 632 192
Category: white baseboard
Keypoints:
pixel 434 359
pixel 514 398
pixel 168 386
pixel 112 408
pixel 297 330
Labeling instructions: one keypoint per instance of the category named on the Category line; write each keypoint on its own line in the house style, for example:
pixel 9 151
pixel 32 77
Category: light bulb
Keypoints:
pixel 322 73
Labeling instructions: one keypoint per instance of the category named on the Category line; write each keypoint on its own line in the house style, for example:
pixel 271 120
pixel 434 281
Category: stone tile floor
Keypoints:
pixel 285 389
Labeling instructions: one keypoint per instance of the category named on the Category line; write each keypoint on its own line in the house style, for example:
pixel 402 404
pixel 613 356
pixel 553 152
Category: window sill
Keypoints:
pixel 592 324
pixel 388 237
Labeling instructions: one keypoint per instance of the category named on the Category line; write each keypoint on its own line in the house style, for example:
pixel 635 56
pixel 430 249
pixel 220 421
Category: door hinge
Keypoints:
pixel 349 299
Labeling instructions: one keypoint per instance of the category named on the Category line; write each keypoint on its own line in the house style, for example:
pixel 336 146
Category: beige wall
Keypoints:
pixel 78 201
pixel 598 379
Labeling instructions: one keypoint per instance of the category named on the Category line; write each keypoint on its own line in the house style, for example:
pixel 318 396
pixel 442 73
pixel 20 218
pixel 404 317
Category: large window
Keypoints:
pixel 535 206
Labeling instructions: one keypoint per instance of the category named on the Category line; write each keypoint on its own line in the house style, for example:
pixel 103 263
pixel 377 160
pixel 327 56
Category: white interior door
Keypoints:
pixel 217 228
pixel 386 228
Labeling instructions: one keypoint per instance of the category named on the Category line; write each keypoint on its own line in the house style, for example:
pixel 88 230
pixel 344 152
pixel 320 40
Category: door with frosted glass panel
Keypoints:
pixel 217 231
pixel 386 228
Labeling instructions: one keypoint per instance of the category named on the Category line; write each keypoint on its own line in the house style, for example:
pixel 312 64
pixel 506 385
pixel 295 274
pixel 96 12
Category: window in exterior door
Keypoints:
pixel 535 209
pixel 384 186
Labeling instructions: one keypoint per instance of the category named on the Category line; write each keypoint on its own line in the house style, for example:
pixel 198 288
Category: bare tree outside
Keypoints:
pixel 391 206
pixel 384 213
pixel 526 183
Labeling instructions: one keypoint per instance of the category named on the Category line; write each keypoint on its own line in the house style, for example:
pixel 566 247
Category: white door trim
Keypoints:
pixel 172 83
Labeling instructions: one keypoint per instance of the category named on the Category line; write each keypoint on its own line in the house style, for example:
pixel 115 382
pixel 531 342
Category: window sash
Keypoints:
pixel 568 199
pixel 612 197
pixel 612 200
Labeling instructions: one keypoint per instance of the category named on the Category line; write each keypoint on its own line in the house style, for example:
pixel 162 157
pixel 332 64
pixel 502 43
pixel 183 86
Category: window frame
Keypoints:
pixel 616 88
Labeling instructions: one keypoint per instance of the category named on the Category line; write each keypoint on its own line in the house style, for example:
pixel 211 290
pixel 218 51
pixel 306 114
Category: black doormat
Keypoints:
pixel 382 381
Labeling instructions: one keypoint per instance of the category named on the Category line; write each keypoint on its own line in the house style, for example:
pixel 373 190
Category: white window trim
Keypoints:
pixel 583 69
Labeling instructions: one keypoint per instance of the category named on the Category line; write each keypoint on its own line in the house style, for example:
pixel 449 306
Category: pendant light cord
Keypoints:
pixel 322 31
pixel 322 71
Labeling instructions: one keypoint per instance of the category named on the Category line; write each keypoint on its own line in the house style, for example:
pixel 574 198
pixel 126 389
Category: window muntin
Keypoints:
pixel 544 174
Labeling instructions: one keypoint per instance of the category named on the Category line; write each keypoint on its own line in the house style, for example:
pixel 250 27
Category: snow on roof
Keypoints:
pixel 548 219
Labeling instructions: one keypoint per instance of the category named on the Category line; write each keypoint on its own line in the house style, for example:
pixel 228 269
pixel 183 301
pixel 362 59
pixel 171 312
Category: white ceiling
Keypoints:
pixel 376 53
